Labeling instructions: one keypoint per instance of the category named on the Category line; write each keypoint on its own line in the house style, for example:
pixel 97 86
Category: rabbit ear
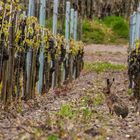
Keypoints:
pixel 108 81
pixel 112 82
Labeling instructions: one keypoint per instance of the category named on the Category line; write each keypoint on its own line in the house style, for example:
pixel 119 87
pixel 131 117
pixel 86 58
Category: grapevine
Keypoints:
pixel 29 35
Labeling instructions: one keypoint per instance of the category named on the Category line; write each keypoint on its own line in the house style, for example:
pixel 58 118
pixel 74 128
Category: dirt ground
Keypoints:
pixel 78 113
pixel 114 54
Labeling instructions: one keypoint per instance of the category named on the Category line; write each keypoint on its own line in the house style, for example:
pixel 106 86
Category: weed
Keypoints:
pixel 130 91
pixel 98 100
pixel 66 111
pixel 53 137
pixel 86 113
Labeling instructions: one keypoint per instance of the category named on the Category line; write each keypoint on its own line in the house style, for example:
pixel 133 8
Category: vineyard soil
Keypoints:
pixel 80 111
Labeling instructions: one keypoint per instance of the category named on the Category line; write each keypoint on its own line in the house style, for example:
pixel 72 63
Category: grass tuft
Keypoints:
pixel 66 111
pixel 52 137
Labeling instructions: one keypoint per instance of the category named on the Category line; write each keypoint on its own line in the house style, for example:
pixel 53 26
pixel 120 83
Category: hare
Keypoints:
pixel 114 103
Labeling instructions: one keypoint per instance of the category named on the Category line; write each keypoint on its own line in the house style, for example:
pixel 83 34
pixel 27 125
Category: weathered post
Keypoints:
pixel 131 33
pixel 138 24
pixel 133 29
pixel 62 16
pixel 75 24
pixel 31 12
pixel 55 16
pixel 72 23
pixel 71 36
pixel 10 63
pixel 67 30
pixel 75 38
pixel 42 19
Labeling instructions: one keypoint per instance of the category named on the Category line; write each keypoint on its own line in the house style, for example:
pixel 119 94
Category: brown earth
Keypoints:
pixel 114 54
pixel 80 112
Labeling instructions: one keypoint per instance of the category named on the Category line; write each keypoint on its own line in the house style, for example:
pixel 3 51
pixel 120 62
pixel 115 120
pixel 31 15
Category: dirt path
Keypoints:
pixel 114 54
pixel 80 112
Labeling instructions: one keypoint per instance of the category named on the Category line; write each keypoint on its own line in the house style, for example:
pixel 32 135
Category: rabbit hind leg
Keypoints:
pixel 111 111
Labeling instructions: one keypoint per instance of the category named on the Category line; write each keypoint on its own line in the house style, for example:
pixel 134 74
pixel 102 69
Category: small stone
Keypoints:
pixel 138 113
pixel 130 126
pixel 132 107
pixel 127 136
pixel 108 138
pixel 131 130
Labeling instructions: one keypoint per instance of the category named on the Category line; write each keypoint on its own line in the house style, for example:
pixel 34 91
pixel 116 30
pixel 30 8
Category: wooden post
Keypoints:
pixel 132 30
pixel 10 64
pixel 48 9
pixel 72 23
pixel 91 9
pixel 75 38
pixel 55 18
pixel 42 19
pixel 75 24
pixel 63 17
pixel 138 24
pixel 132 23
pixel 24 64
pixel 131 33
pixel 3 65
pixel 67 22
pixel 67 31
pixel 71 35
pixel 31 12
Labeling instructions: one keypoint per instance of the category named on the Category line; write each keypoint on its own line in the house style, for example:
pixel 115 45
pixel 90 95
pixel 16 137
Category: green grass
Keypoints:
pixel 86 113
pixel 95 101
pixel 119 25
pixel 93 32
pixel 103 67
pixel 70 112
pixel 110 30
pixel 66 111
pixel 52 137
